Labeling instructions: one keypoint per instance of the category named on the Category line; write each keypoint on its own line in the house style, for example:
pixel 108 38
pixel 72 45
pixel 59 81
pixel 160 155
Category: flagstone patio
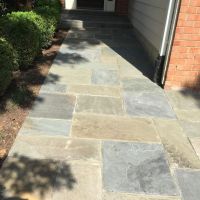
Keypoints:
pixel 101 130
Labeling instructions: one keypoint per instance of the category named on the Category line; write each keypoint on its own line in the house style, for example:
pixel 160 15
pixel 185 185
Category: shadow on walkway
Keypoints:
pixel 113 30
pixel 193 90
pixel 22 175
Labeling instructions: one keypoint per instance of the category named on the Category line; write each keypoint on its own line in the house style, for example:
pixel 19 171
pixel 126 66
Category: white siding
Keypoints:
pixel 148 17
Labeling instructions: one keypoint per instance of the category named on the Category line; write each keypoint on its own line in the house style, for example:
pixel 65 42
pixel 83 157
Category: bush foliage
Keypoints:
pixel 8 63
pixel 27 33
pixel 22 33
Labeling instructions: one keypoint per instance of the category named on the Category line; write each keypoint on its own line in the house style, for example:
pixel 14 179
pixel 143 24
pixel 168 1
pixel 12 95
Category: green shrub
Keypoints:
pixel 23 34
pixel 45 30
pixel 8 63
pixel 47 14
pixel 5 80
pixel 50 9
pixel 51 3
pixel 52 15
pixel 8 56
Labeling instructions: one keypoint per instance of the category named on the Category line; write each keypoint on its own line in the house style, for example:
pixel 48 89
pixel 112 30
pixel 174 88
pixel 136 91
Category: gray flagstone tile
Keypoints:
pixel 139 85
pixel 151 104
pixel 125 196
pixel 44 126
pixel 136 168
pixel 53 106
pixel 53 88
pixel 189 183
pixel 105 77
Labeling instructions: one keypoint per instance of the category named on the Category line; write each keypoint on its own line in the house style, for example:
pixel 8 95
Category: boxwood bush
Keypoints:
pixel 51 3
pixel 44 30
pixel 50 21
pixel 23 34
pixel 8 63
pixel 27 33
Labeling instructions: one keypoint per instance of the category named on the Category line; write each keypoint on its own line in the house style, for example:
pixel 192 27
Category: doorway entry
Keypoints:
pixel 90 4
pixel 104 5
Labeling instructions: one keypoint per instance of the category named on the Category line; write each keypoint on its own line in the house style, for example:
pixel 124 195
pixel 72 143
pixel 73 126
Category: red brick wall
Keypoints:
pixel 122 7
pixel 184 64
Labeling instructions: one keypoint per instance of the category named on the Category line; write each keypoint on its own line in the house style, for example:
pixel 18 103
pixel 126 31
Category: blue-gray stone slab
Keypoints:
pixel 85 54
pixel 53 106
pixel 151 104
pixel 189 183
pixel 136 168
pixel 53 88
pixel 79 44
pixel 140 85
pixel 105 77
pixel 48 127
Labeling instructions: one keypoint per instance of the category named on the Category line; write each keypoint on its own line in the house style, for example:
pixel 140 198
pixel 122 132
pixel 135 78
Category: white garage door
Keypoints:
pixel 149 18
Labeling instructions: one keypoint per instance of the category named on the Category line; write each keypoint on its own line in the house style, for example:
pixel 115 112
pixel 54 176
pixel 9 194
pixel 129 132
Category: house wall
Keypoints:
pixel 184 65
pixel 148 18
pixel 122 7
pixel 62 3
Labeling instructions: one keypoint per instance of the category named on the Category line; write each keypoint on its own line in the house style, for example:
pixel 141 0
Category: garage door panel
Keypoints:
pixel 148 17
pixel 154 3
pixel 152 36
pixel 149 11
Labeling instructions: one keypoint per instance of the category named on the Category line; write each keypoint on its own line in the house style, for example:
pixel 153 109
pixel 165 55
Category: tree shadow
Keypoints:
pixel 81 44
pixel 192 89
pixel 69 58
pixel 115 32
pixel 22 175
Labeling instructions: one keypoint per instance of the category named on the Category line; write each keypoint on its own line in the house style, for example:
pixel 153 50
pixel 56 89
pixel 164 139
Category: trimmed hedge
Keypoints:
pixel 49 16
pixel 50 3
pixel 22 33
pixel 25 33
pixel 8 63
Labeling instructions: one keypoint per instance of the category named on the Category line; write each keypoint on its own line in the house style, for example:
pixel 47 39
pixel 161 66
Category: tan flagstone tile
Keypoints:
pixel 117 128
pixel 126 69
pixel 185 100
pixel 177 145
pixel 57 148
pixel 100 105
pixel 28 178
pixel 196 144
pixel 71 76
pixel 125 196
pixel 188 115
pixel 109 60
pixel 87 187
pixel 95 90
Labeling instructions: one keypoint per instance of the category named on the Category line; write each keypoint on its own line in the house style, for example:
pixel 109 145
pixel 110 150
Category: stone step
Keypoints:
pixel 93 19
pixel 80 24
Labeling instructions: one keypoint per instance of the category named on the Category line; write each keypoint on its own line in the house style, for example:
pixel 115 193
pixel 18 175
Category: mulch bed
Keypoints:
pixel 17 101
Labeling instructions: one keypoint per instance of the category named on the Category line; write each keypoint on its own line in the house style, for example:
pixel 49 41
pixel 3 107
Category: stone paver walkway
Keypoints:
pixel 101 130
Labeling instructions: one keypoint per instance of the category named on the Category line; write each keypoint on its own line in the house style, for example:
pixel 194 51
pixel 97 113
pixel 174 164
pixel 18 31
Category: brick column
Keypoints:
pixel 122 7
pixel 184 64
